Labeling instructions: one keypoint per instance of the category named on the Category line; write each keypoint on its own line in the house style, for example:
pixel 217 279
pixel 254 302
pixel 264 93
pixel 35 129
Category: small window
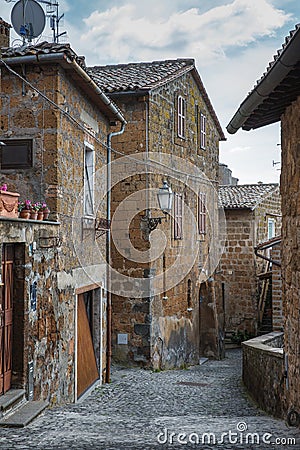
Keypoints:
pixel 202 213
pixel 16 154
pixel 178 216
pixel 89 170
pixel 202 131
pixel 271 228
pixel 181 116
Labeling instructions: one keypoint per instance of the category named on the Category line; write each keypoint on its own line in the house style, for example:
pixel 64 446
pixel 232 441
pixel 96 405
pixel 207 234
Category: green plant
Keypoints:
pixel 240 336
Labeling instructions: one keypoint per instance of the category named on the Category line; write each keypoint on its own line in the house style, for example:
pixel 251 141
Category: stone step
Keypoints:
pixel 10 400
pixel 22 416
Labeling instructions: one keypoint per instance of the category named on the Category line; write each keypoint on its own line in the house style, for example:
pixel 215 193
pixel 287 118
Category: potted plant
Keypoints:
pixel 8 202
pixel 34 210
pixel 24 209
pixel 46 210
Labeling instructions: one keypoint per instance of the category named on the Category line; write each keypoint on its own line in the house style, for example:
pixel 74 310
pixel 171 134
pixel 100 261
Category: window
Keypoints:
pixel 89 170
pixel 202 213
pixel 271 228
pixel 178 218
pixel 202 131
pixel 16 154
pixel 181 116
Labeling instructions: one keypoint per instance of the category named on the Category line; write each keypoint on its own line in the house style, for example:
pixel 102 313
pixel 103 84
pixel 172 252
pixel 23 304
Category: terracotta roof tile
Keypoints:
pixel 144 76
pixel 245 196
pixel 135 76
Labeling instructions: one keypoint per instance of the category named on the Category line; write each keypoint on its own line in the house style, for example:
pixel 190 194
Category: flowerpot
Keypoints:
pixel 33 215
pixel 46 214
pixel 24 214
pixel 9 204
pixel 40 215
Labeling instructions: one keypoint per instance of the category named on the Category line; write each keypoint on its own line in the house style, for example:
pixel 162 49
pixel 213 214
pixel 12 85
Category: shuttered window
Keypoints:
pixel 178 215
pixel 202 213
pixel 202 131
pixel 181 116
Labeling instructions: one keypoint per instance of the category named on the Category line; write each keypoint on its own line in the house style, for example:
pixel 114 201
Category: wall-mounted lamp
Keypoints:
pixel 165 198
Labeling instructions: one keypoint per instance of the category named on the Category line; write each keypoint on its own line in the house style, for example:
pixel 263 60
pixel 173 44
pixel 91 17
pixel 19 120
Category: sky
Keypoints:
pixel 232 42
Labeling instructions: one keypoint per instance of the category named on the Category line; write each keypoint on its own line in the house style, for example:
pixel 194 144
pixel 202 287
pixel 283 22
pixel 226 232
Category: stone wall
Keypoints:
pixel 277 301
pixel 163 330
pixel 263 372
pixel 238 272
pixel 290 193
pixel 239 266
pixel 57 176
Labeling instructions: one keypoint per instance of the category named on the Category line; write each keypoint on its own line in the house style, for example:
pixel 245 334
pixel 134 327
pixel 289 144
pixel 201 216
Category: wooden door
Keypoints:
pixel 87 372
pixel 6 323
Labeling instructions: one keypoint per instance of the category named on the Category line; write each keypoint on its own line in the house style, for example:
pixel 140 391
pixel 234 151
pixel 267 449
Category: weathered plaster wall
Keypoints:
pixel 290 182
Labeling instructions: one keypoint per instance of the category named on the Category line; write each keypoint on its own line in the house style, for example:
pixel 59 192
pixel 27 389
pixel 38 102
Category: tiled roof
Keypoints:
pixel 43 48
pixel 245 196
pixel 144 76
pixel 135 76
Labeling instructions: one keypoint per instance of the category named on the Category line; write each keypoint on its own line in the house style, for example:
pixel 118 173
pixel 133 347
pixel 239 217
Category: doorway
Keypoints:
pixel 6 318
pixel 87 337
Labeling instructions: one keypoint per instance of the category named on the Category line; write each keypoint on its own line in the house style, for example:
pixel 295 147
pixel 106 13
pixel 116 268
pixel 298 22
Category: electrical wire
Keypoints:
pixel 149 162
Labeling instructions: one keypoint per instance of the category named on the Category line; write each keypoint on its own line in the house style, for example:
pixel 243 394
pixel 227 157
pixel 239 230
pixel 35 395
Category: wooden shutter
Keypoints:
pixel 178 215
pixel 202 213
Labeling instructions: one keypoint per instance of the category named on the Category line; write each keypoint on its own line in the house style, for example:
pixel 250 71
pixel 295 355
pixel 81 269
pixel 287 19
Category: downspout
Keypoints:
pixel 108 253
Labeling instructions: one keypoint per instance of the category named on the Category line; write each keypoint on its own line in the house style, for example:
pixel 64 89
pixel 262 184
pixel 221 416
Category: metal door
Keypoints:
pixel 6 323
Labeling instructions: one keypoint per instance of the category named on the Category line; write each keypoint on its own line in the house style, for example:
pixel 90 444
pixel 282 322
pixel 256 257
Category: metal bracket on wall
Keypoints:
pixel 102 226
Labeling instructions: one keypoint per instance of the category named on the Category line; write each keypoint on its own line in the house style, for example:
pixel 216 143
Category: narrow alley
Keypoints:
pixel 203 407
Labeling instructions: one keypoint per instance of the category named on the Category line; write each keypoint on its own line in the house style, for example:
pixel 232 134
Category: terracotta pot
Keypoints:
pixel 40 215
pixel 9 204
pixel 24 214
pixel 46 214
pixel 33 215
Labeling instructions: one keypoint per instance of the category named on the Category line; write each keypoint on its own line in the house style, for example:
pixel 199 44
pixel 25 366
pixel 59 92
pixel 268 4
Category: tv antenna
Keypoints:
pixel 55 18
pixel 28 19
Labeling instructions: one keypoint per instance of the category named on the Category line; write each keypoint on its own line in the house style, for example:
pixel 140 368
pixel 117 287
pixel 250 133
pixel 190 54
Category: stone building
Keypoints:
pixel 170 318
pixel 252 216
pixel 55 122
pixel 276 97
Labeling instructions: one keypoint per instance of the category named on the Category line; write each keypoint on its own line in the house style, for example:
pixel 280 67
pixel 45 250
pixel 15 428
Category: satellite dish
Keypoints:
pixel 28 19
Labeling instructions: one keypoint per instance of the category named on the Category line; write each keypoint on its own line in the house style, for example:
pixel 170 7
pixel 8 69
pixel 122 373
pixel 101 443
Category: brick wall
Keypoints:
pixel 238 272
pixel 290 247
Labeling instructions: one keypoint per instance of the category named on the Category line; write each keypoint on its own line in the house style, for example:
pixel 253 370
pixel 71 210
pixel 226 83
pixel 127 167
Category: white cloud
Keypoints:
pixel 121 33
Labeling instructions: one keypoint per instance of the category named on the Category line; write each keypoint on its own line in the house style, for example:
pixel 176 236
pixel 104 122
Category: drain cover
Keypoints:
pixel 191 383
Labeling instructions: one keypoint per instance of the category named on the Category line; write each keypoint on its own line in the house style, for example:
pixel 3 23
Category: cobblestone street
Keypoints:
pixel 141 409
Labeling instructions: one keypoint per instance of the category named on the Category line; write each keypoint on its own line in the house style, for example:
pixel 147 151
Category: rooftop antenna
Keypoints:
pixel 55 18
pixel 28 19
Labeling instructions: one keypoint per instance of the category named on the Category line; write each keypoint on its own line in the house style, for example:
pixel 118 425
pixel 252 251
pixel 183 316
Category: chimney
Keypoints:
pixel 4 33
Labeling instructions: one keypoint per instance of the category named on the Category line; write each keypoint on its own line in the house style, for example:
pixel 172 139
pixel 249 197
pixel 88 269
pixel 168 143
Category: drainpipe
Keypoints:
pixel 108 256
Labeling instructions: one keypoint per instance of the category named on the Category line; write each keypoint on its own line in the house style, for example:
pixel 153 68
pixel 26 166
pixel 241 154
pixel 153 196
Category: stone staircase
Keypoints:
pixel 16 411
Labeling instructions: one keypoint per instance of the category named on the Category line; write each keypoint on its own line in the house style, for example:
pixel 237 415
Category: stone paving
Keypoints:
pixel 203 407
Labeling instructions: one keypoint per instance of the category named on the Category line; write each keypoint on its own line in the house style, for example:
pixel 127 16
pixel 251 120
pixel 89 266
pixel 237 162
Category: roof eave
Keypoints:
pixel 272 78
pixel 104 103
